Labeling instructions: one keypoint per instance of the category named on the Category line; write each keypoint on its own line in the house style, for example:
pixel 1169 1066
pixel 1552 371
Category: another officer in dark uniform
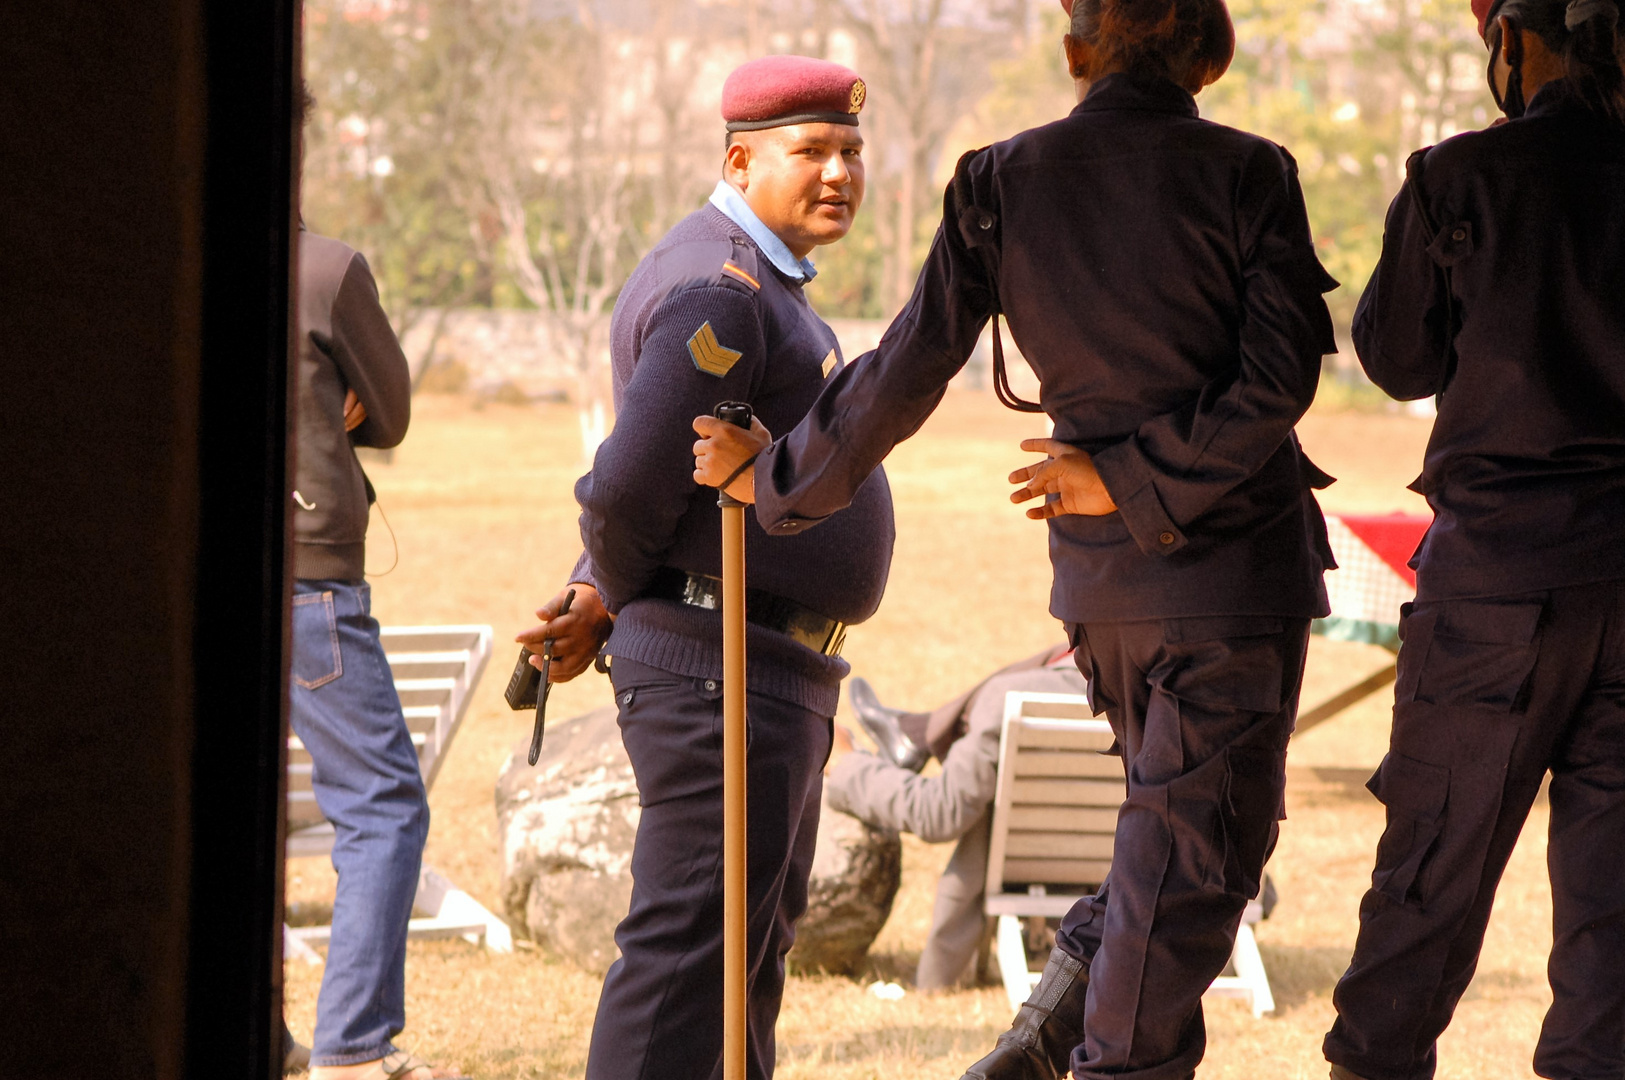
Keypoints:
pixel 1159 273
pixel 1502 290
pixel 717 312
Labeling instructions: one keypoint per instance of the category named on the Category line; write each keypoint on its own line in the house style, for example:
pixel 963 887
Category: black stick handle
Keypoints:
pixel 739 414
pixel 542 690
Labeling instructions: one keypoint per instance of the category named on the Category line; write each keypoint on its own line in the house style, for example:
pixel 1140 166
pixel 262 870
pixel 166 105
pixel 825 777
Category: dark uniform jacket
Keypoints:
pixel 706 318
pixel 345 343
pixel 1158 273
pixel 1502 289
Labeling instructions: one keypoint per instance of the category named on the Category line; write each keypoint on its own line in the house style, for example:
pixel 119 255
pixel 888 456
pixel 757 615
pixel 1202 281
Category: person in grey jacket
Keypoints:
pixel 886 791
pixel 354 390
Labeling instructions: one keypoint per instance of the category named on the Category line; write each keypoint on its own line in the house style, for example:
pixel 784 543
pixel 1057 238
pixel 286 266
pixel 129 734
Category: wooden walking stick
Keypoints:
pixel 733 766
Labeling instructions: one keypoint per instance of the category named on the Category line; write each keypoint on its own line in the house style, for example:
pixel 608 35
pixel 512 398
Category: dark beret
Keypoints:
pixel 779 90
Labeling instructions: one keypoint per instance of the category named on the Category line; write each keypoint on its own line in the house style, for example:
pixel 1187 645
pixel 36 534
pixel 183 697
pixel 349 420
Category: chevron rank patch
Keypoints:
pixel 829 363
pixel 710 355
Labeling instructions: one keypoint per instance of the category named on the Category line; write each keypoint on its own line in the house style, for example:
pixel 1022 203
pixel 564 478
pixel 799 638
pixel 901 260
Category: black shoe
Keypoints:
pixel 1047 1028
pixel 882 725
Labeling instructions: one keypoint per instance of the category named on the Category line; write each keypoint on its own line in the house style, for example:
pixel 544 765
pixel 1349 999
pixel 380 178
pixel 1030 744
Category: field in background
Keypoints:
pixel 480 504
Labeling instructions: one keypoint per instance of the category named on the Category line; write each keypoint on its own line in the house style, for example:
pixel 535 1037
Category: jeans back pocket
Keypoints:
pixel 317 660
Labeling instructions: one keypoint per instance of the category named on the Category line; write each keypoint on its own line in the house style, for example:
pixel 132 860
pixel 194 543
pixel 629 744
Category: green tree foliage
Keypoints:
pixel 390 148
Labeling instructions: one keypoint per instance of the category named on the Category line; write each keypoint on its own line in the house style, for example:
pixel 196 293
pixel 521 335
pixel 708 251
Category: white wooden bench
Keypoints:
pixel 436 669
pixel 1054 822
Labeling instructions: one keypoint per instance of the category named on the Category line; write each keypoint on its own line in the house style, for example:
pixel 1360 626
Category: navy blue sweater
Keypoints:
pixel 706 318
pixel 1500 290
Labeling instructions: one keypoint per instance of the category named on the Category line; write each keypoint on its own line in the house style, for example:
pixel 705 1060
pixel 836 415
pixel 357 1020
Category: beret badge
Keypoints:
pixel 859 93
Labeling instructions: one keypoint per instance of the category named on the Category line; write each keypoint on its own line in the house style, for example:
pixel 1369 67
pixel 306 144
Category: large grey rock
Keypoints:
pixel 855 874
pixel 567 828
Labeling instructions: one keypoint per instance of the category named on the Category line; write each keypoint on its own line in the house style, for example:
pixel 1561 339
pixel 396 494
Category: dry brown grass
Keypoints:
pixel 480 500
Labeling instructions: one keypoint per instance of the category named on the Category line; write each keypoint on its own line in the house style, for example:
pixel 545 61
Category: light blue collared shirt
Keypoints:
pixel 727 199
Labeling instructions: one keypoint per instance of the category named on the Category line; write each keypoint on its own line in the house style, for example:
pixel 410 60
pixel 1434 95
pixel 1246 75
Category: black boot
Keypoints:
pixel 1048 1026
pixel 882 725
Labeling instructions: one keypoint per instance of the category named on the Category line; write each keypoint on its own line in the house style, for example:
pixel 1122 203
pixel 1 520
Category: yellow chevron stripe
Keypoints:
pixel 730 268
pixel 829 363
pixel 710 355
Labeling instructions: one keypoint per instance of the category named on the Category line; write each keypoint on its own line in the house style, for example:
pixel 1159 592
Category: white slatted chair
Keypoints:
pixel 1054 820
pixel 436 669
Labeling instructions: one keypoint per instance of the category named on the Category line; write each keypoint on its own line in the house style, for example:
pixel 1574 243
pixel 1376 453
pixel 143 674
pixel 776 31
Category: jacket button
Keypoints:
pixel 1166 539
pixel 710 684
pixel 986 222
pixel 1459 235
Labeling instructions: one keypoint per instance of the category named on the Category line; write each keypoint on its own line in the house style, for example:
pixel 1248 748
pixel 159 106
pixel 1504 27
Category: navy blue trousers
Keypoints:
pixel 660 1014
pixel 1492 693
pixel 1202 709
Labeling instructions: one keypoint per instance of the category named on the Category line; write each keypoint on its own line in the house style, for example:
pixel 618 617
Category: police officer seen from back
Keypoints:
pixel 1159 274
pixel 717 312
pixel 1501 290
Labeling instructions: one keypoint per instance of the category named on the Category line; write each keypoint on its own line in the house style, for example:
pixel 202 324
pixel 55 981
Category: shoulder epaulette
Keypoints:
pixel 740 268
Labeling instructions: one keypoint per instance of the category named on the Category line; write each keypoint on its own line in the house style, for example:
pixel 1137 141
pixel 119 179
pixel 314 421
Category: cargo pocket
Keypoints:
pixel 1415 794
pixel 1479 653
pixel 316 657
pixel 1230 661
pixel 1252 807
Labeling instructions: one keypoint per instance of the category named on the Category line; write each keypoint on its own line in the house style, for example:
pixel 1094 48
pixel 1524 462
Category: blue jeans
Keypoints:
pixel 344 708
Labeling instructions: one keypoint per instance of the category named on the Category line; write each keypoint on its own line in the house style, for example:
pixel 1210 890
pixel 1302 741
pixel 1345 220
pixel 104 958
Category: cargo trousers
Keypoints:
pixel 1202 709
pixel 1492 694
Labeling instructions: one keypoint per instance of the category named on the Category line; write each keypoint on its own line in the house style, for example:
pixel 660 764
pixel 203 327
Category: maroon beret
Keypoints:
pixel 779 90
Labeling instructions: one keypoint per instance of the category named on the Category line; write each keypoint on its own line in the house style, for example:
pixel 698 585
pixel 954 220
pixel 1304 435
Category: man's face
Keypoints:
pixel 804 181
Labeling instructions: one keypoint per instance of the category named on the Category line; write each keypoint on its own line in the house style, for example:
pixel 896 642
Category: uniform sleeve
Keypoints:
pixel 582 574
pixel 701 346
pixel 883 397
pixel 1401 327
pixel 370 359
pixel 1177 465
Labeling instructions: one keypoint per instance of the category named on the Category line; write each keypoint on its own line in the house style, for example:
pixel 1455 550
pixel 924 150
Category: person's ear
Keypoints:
pixel 1080 56
pixel 736 163
pixel 1511 41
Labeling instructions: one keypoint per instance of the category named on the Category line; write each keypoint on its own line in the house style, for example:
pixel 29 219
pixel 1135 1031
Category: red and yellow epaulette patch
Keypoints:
pixel 730 268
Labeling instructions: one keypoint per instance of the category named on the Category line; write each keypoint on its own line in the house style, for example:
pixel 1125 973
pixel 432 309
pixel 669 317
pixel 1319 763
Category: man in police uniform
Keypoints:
pixel 716 312
pixel 1161 277
pixel 1499 291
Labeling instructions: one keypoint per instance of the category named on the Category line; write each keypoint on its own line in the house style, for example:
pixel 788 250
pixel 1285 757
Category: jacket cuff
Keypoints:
pixel 1131 483
pixel 772 510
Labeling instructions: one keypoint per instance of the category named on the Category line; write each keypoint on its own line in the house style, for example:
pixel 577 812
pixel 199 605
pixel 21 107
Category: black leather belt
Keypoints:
pixel 800 624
